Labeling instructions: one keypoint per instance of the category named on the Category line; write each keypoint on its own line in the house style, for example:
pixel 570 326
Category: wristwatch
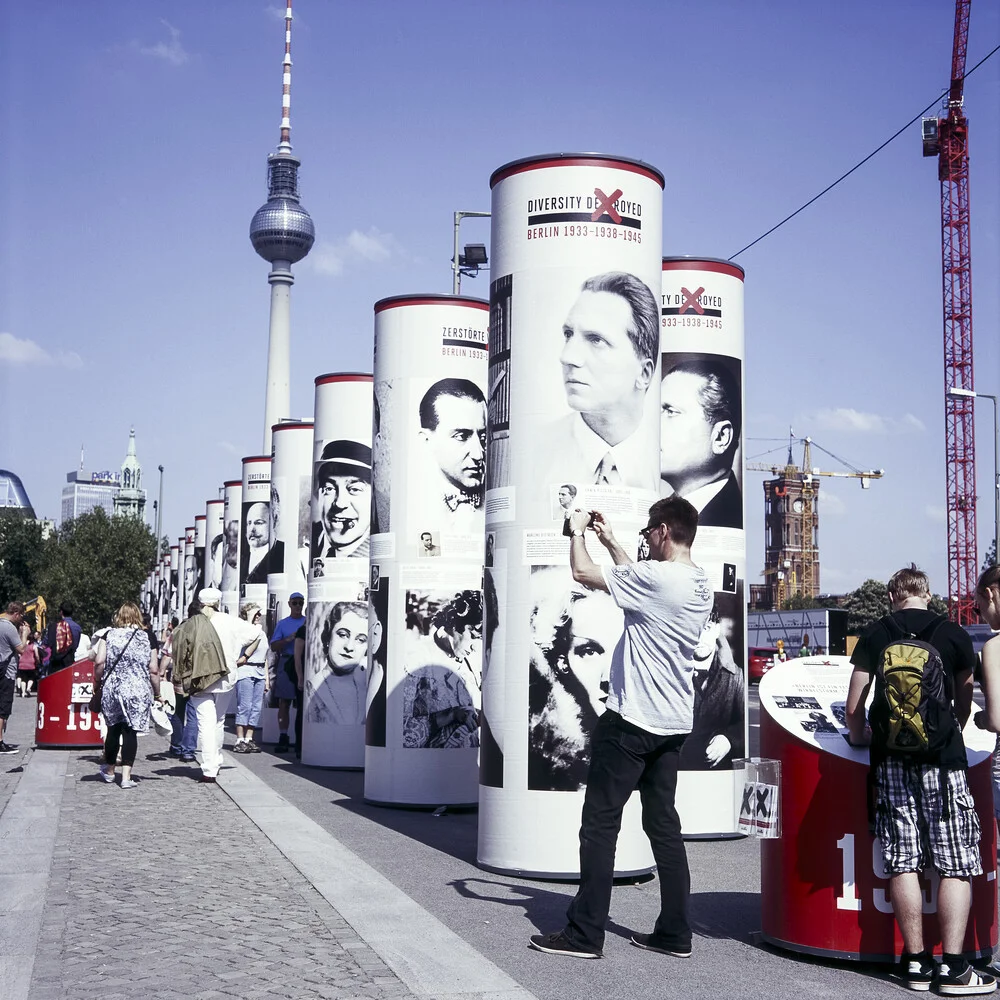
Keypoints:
pixel 575 532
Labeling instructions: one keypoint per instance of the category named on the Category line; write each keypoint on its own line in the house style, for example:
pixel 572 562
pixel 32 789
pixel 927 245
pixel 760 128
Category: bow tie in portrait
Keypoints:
pixel 454 500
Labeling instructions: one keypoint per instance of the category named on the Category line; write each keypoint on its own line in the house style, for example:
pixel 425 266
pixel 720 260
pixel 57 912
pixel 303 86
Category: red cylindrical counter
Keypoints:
pixel 824 890
pixel 63 715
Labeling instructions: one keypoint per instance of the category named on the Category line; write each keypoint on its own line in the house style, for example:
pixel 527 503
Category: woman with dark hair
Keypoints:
pixel 336 691
pixel 124 660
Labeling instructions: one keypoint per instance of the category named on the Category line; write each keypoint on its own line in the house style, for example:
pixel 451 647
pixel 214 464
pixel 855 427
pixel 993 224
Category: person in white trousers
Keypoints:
pixel 210 705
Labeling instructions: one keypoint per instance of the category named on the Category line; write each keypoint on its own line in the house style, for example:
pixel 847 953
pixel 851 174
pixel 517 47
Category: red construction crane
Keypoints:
pixel 947 138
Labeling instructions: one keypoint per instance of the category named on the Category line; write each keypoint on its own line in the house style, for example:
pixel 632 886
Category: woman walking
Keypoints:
pixel 27 666
pixel 125 662
pixel 251 682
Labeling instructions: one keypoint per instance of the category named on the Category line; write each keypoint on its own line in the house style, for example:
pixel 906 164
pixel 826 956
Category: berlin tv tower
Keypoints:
pixel 282 232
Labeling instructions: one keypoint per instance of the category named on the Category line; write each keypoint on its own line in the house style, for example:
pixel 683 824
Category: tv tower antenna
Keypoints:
pixel 282 232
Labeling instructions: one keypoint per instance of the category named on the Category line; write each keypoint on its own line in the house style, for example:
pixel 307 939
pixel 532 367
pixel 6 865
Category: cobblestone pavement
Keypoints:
pixel 169 891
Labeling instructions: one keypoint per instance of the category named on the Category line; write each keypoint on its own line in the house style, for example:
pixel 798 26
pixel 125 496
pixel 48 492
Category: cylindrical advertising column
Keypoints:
pixel 336 680
pixel 199 554
pixel 232 512
pixel 701 393
pixel 429 441
pixel 174 580
pixel 189 571
pixel 181 607
pixel 215 543
pixel 573 423
pixel 256 534
pixel 291 481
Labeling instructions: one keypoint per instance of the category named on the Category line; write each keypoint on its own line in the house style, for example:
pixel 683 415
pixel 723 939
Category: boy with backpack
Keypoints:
pixel 921 665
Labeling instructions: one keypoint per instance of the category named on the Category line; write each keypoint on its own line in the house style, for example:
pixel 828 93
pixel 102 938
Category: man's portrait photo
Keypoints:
pixel 256 542
pixel 342 503
pixel 700 425
pixel 452 457
pixel 610 347
pixel 564 501
pixel 428 545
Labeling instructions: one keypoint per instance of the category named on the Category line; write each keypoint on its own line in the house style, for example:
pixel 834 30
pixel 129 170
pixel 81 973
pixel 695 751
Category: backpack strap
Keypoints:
pixel 927 633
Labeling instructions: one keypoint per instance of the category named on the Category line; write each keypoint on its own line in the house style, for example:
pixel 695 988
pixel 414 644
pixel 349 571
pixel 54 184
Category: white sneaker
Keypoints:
pixel 106 775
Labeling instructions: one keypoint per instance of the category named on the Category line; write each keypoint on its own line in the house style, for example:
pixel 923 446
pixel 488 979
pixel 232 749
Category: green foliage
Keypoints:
pixel 96 563
pixel 797 602
pixel 22 554
pixel 865 605
pixel 938 605
pixel 991 557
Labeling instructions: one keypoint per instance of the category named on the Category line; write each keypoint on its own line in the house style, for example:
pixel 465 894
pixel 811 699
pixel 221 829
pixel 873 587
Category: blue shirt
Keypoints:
pixel 286 629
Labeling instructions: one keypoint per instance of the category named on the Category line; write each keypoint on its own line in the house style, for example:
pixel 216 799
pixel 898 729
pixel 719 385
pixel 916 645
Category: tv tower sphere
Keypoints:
pixel 281 228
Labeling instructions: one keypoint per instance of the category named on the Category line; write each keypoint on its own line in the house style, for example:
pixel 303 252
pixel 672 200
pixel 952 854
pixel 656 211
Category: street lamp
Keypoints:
pixel 474 257
pixel 159 513
pixel 972 394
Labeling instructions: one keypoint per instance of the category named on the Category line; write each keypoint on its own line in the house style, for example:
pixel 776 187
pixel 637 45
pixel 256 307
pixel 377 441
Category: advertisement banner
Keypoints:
pixel 174 603
pixel 200 532
pixel 701 396
pixel 256 530
pixel 189 574
pixel 232 510
pixel 215 543
pixel 338 536
pixel 573 423
pixel 427 549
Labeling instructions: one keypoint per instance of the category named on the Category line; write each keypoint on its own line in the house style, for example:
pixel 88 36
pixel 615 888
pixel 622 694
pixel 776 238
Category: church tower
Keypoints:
pixel 131 497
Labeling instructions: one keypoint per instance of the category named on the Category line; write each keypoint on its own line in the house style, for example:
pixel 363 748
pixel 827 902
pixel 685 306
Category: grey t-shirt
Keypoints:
pixel 10 639
pixel 666 605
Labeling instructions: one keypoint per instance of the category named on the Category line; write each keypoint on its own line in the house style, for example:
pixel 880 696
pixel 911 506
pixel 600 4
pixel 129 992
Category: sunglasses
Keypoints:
pixel 648 530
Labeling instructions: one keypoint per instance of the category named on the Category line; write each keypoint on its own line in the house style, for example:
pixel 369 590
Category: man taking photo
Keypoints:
pixel 650 710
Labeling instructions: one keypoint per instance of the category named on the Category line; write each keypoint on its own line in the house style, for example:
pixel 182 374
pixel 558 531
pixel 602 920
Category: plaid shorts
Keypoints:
pixel 909 824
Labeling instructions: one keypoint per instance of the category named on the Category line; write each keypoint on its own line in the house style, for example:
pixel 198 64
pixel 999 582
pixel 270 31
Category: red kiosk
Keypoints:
pixel 824 890
pixel 64 718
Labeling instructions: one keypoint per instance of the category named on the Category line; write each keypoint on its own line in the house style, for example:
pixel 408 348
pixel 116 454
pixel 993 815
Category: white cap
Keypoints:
pixel 210 595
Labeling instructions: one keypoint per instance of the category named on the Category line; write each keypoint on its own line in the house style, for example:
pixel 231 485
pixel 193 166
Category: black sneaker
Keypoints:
pixel 955 982
pixel 7 748
pixel 252 747
pixel 645 942
pixel 187 758
pixel 282 745
pixel 240 747
pixel 559 944
pixel 915 972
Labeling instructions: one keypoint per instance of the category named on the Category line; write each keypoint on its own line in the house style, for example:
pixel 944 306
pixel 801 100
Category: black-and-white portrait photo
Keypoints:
pixel 491 542
pixel 375 702
pixel 191 576
pixel 563 500
pixel 448 464
pixel 428 546
pixel 442 689
pixel 490 754
pixel 718 736
pixel 336 685
pixel 382 427
pixel 231 552
pixel 256 542
pixel 199 562
pixel 498 380
pixel 342 503
pixel 610 349
pixel 701 413
pixel 574 633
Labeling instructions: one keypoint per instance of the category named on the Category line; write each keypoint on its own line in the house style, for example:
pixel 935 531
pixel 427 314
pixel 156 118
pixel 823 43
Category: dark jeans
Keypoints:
pixel 624 757
pixel 298 720
pixel 120 734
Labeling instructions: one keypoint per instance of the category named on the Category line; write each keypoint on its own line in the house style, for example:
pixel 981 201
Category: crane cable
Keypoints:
pixel 861 163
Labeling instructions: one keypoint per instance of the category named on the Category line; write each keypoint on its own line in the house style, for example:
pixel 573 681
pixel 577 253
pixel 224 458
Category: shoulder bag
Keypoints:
pixel 95 698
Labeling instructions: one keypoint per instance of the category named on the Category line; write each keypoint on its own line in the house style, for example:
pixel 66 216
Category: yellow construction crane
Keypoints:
pixel 805 477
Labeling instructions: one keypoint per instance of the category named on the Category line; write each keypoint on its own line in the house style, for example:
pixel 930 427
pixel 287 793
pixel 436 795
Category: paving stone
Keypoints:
pixel 168 891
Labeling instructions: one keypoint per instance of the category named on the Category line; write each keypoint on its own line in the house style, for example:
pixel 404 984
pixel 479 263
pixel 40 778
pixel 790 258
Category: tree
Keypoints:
pixel 798 602
pixel 865 605
pixel 96 564
pixel 991 557
pixel 22 554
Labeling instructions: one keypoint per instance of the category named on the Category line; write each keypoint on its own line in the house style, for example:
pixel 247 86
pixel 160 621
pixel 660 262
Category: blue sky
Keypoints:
pixel 136 144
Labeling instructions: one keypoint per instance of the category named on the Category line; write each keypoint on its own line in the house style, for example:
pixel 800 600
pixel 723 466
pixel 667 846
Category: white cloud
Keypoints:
pixel 935 513
pixel 372 247
pixel 171 51
pixel 830 503
pixel 15 351
pixel 845 418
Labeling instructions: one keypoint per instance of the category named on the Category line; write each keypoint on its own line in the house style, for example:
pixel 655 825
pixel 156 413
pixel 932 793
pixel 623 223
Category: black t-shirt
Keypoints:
pixel 950 640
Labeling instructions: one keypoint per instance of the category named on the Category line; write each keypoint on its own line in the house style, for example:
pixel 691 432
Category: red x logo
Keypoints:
pixel 606 203
pixel 691 301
